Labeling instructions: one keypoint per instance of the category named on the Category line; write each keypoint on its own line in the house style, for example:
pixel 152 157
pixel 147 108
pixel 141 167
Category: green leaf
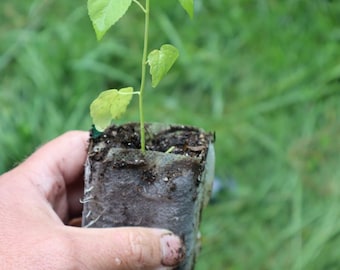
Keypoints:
pixel 161 61
pixel 188 6
pixel 110 104
pixel 105 13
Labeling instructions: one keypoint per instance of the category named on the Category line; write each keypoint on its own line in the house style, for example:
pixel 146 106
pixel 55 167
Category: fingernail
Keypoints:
pixel 173 251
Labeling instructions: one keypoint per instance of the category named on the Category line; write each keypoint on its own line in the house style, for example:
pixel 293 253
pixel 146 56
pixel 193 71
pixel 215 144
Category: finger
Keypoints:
pixel 126 248
pixel 63 157
pixel 56 167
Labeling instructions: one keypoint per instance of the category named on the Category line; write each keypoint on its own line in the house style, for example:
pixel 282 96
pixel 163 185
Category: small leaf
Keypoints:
pixel 161 61
pixel 110 104
pixel 105 13
pixel 188 6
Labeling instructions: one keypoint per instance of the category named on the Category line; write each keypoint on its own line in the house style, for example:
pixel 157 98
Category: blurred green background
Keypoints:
pixel 263 74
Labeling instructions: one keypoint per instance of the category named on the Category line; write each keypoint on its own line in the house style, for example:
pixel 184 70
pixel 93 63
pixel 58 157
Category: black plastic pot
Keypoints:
pixel 124 187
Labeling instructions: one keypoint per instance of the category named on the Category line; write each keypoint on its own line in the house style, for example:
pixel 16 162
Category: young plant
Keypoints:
pixel 112 103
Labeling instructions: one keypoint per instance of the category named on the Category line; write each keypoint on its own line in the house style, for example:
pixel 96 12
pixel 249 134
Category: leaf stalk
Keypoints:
pixel 140 5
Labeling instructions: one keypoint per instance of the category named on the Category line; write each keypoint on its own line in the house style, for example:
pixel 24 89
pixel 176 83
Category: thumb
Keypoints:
pixel 126 248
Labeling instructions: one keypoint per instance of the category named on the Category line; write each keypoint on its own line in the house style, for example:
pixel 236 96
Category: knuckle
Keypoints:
pixel 138 250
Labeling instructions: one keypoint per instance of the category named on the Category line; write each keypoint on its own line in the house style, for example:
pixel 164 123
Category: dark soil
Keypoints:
pixel 181 140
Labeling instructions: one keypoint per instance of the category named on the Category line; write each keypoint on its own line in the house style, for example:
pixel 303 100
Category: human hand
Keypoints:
pixel 42 194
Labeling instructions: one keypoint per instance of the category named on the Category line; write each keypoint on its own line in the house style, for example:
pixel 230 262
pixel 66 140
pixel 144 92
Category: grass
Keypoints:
pixel 263 74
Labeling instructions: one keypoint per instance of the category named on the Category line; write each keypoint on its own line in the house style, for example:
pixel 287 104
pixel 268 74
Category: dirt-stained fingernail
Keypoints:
pixel 173 251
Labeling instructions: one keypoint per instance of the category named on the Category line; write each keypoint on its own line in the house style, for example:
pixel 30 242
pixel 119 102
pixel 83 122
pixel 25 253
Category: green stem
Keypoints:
pixel 142 84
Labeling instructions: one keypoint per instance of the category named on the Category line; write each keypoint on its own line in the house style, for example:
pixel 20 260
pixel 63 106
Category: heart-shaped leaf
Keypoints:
pixel 161 61
pixel 110 104
pixel 188 6
pixel 105 13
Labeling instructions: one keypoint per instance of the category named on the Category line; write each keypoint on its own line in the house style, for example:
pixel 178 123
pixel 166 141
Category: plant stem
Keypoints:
pixel 142 84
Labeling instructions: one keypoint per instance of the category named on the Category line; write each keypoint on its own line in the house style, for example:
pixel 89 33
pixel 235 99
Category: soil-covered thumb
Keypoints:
pixel 125 248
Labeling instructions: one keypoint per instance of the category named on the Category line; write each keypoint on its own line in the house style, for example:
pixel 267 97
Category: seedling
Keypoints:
pixel 111 104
